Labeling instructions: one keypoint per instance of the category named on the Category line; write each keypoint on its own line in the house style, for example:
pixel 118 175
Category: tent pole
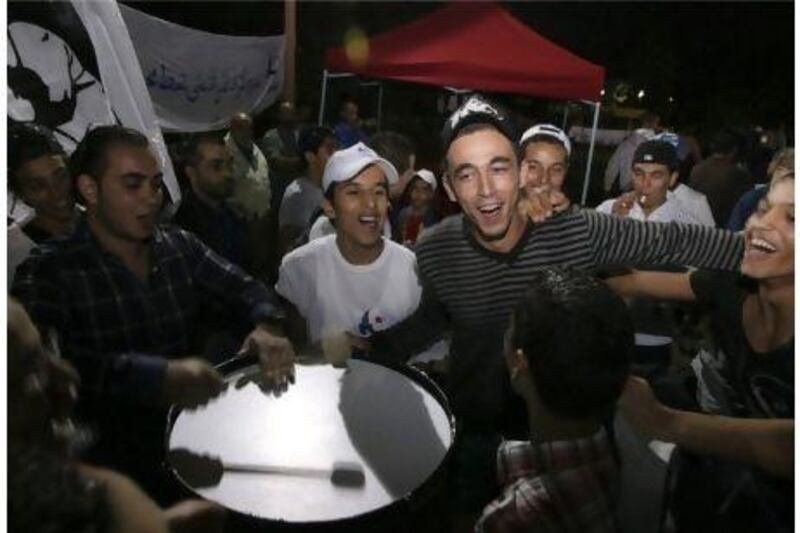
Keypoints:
pixel 566 114
pixel 380 104
pixel 591 153
pixel 322 97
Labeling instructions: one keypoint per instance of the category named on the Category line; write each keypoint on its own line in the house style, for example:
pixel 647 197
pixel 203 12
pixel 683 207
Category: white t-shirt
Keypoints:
pixel 299 201
pixel 672 210
pixel 335 296
pixel 695 203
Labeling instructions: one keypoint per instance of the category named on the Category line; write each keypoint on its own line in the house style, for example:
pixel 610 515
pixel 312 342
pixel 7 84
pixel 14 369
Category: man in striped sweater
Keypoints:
pixel 474 266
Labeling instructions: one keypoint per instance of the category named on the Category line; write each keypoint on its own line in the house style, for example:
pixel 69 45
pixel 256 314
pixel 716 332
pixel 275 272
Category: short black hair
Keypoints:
pixel 89 156
pixel 47 494
pixel 190 148
pixel 312 137
pixel 724 141
pixel 27 142
pixel 578 338
pixel 394 147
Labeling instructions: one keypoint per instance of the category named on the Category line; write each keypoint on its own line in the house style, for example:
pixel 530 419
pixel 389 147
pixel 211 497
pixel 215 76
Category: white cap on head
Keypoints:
pixel 550 131
pixel 427 176
pixel 345 164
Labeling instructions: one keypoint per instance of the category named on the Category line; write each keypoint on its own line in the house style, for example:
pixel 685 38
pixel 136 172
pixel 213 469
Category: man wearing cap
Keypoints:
pixel 304 195
pixel 419 213
pixel 618 170
pixel 473 267
pixel 545 151
pixel 355 281
pixel 654 170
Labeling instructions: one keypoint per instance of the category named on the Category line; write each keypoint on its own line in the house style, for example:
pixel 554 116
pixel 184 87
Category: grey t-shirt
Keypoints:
pixel 300 200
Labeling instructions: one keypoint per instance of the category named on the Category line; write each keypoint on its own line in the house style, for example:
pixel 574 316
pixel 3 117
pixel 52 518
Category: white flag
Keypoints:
pixel 71 66
pixel 198 80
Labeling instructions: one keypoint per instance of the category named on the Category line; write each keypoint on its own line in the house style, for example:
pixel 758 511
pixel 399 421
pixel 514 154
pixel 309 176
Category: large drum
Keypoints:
pixel 272 457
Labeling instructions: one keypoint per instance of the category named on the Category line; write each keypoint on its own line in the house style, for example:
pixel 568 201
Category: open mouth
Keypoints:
pixel 490 212
pixel 757 247
pixel 370 222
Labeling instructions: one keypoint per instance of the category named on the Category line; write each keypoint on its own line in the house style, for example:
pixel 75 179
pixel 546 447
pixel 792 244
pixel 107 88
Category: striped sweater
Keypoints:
pixel 471 292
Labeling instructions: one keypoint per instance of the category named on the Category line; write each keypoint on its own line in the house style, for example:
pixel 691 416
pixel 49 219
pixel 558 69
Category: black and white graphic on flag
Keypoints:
pixel 52 72
pixel 71 66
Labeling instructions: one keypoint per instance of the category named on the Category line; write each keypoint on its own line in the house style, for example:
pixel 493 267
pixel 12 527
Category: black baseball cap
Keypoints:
pixel 660 152
pixel 477 110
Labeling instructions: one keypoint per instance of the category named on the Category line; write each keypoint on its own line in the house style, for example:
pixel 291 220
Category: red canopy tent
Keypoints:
pixel 476 46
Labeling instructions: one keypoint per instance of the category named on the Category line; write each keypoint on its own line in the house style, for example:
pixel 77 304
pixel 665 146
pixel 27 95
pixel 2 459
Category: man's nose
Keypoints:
pixel 485 184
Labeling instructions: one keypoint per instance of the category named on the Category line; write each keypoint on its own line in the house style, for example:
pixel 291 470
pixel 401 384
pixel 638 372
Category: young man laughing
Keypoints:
pixel 355 282
pixel 474 266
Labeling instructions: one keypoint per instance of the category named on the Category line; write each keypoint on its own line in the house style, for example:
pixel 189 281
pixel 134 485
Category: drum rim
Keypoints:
pixel 417 375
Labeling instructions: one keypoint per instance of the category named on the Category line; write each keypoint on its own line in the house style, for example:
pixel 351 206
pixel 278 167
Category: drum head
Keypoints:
pixel 396 429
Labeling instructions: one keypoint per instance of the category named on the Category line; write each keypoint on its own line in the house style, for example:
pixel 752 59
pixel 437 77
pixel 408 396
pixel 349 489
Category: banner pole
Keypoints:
pixel 322 97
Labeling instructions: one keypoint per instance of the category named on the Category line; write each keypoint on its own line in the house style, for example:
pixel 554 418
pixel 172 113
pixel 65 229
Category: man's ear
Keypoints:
pixel 327 208
pixel 88 189
pixel 448 189
pixel 309 157
pixel 673 179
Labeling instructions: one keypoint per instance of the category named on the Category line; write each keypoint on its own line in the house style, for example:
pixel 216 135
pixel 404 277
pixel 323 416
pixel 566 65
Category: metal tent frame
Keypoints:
pixel 326 75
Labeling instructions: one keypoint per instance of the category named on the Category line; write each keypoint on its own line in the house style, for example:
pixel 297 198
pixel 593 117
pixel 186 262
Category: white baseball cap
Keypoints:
pixel 427 176
pixel 548 130
pixel 345 164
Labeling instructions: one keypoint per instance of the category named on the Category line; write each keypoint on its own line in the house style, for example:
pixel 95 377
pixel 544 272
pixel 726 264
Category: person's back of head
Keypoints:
pixel 724 143
pixel 47 494
pixel 577 337
pixel 397 148
pixel 650 121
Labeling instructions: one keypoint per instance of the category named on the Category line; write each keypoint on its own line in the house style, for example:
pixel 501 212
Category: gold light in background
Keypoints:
pixel 356 47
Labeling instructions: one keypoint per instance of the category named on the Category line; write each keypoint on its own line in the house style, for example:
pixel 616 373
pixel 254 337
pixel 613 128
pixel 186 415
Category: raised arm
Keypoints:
pixel 623 241
pixel 764 443
pixel 659 285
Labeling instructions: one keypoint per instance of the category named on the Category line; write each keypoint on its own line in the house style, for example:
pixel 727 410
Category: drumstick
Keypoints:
pixel 343 473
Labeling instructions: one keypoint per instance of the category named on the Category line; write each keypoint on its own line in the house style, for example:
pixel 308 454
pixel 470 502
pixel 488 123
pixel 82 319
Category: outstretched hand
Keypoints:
pixel 542 202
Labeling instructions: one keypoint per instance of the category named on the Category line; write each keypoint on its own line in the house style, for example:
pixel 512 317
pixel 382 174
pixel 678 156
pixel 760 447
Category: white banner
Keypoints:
pixel 198 80
pixel 71 66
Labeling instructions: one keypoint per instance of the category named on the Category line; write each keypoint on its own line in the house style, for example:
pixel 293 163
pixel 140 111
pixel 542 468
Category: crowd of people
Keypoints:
pixel 544 322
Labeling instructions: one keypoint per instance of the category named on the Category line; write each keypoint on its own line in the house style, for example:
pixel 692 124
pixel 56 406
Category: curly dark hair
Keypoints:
pixel 578 338
pixel 47 494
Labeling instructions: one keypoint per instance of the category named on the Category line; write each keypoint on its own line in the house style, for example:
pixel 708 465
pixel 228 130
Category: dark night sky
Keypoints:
pixel 731 62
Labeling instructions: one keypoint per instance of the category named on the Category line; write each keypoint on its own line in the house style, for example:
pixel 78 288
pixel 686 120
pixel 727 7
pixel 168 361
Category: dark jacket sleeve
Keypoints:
pixel 416 333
